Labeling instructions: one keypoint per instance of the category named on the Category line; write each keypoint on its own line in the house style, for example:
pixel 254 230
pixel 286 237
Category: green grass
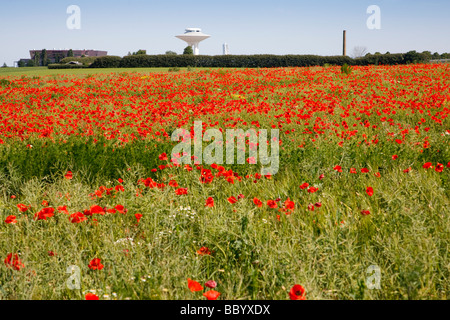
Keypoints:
pixel 44 71
pixel 255 256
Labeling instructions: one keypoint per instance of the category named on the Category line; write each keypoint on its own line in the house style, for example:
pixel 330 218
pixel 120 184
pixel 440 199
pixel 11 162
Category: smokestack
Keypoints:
pixel 344 46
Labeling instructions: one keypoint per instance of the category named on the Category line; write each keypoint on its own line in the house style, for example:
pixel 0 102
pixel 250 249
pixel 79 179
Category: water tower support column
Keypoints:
pixel 196 50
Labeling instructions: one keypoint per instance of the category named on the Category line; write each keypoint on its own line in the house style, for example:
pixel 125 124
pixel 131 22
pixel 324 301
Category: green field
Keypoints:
pixel 359 208
pixel 44 71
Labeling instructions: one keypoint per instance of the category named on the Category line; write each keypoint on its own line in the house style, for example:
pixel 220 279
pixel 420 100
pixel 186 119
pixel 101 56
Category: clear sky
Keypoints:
pixel 248 26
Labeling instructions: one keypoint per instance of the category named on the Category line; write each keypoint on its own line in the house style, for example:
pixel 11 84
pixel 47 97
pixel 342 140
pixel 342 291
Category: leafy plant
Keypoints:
pixel 346 69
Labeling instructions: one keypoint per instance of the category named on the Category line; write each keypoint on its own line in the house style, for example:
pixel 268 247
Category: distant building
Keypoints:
pixel 56 55
pixel 226 51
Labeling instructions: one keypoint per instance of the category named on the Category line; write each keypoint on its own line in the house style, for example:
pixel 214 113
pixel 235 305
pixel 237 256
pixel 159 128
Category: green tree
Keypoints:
pixel 171 52
pixel 70 53
pixel 30 63
pixel 427 55
pixel 21 64
pixel 412 57
pixel 44 57
pixel 188 50
pixel 4 65
pixel 37 58
pixel 140 51
pixel 58 58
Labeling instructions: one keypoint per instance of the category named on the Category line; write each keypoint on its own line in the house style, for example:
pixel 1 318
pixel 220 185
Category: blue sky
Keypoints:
pixel 248 26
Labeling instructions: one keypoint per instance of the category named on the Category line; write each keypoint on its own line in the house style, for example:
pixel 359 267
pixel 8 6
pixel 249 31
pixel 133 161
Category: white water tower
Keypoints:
pixel 193 36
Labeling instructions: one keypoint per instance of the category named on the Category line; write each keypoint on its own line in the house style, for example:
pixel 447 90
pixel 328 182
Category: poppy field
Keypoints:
pixel 94 205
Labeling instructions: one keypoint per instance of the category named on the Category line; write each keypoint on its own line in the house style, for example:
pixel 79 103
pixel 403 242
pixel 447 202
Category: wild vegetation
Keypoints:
pixel 88 182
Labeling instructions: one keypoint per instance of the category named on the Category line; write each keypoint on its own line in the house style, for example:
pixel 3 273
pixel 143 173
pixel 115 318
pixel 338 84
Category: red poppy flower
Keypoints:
pixel 394 157
pixel 121 209
pixel 364 170
pixel 257 202
pixel 14 261
pixel 369 191
pixel 312 190
pixel 181 191
pixel 63 209
pixel 206 178
pixel 428 165
pixel 338 168
pixel 163 156
pixel 51 254
pixel 96 209
pixel 377 174
pixel 91 296
pixel 297 292
pixel 232 200
pixel 321 176
pixel 45 203
pixel 44 214
pixel 272 204
pixel 138 216
pixel 439 167
pixel 231 179
pixel 288 204
pixel 119 188
pixel 194 285
pixel 68 175
pixel 10 220
pixel 353 170
pixel 318 204
pixel 407 170
pixel 365 212
pixel 95 264
pixel 304 185
pixel 161 186
pixel 77 217
pixel 211 284
pixel 173 183
pixel 203 250
pixel 209 202
pixel 211 295
pixel 98 193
